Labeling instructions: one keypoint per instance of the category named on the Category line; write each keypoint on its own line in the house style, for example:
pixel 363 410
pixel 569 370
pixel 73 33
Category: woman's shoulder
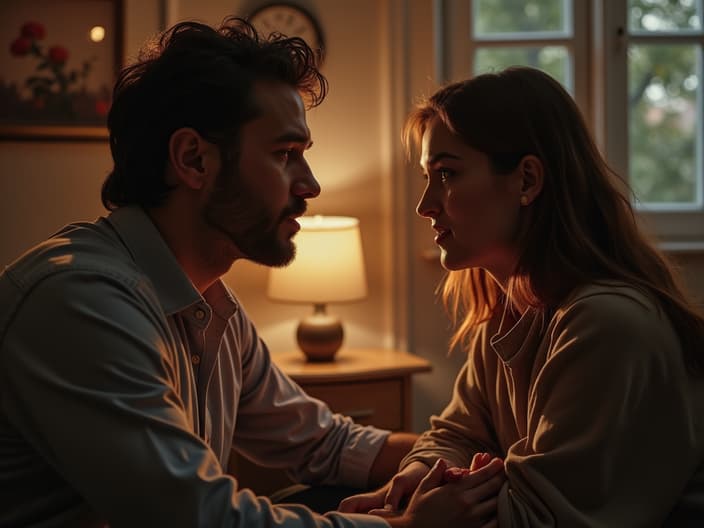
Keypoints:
pixel 612 299
pixel 617 309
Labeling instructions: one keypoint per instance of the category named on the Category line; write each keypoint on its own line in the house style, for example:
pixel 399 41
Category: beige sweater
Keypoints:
pixel 592 410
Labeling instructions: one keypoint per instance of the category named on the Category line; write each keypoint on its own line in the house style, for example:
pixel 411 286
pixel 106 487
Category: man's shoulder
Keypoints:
pixel 79 247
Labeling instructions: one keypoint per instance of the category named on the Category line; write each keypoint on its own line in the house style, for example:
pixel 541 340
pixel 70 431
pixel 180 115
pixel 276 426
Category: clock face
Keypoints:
pixel 289 20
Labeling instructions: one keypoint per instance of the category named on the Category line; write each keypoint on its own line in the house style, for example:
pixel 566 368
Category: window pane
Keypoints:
pixel 551 59
pixel 664 15
pixel 663 87
pixel 518 16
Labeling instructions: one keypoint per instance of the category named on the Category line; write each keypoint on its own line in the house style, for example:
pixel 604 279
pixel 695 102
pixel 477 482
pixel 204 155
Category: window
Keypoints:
pixel 538 34
pixel 634 67
pixel 665 102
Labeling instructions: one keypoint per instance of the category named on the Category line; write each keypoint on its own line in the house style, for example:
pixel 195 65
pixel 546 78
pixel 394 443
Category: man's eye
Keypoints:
pixel 283 153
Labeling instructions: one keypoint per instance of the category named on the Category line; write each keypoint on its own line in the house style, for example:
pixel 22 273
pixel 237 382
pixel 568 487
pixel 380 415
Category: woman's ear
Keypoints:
pixel 192 159
pixel 531 173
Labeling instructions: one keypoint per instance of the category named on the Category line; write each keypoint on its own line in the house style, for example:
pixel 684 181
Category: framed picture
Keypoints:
pixel 58 63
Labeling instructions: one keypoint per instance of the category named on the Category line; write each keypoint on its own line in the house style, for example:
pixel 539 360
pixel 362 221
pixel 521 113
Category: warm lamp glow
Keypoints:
pixel 97 33
pixel 329 267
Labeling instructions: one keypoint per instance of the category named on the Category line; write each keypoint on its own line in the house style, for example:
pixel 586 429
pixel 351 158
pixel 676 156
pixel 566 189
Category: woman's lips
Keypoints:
pixel 442 235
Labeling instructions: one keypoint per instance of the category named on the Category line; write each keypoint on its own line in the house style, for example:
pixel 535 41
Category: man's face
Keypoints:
pixel 256 199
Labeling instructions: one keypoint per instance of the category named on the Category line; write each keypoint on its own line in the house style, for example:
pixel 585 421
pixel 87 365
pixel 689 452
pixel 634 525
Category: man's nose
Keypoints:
pixel 306 186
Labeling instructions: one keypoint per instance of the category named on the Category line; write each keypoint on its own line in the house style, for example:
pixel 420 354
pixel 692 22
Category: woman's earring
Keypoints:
pixel 524 199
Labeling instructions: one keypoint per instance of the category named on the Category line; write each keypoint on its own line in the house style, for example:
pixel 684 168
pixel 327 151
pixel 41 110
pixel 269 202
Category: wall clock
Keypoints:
pixel 290 20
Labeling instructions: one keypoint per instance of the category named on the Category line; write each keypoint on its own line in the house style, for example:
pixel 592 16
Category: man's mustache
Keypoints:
pixel 297 208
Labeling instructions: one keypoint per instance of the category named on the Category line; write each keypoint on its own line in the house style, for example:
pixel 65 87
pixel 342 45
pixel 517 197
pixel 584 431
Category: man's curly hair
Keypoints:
pixel 196 76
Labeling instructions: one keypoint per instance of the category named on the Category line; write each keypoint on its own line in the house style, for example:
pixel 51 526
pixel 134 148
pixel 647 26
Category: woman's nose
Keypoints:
pixel 427 207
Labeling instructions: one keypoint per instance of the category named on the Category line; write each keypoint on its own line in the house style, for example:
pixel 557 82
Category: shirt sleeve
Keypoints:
pixel 279 425
pixel 88 380
pixel 609 422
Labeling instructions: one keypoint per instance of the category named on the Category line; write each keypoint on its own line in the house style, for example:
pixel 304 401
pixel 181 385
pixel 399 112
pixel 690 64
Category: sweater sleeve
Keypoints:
pixel 465 426
pixel 609 422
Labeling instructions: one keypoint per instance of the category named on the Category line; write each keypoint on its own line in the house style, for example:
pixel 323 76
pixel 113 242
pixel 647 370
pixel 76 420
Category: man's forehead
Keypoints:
pixel 278 96
pixel 281 110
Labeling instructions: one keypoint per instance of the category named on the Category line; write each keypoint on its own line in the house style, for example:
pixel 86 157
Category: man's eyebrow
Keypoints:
pixel 293 137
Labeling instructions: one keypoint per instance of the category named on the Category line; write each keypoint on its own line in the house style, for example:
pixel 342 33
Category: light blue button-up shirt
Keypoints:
pixel 123 392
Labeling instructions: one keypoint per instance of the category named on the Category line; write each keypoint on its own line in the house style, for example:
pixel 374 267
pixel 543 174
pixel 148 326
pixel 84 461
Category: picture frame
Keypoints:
pixel 58 63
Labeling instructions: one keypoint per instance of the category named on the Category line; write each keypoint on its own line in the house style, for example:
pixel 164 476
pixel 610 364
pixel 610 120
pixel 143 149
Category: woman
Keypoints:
pixel 585 359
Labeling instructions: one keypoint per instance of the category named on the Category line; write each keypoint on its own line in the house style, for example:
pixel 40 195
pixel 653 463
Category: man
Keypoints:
pixel 128 370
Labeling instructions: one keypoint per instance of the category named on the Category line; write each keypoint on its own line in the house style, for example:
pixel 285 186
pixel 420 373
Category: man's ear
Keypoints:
pixel 531 172
pixel 193 160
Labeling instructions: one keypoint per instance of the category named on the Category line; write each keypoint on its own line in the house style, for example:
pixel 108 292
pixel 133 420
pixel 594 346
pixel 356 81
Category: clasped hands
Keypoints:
pixel 437 496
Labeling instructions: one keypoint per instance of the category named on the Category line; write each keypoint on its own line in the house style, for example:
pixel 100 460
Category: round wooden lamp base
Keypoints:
pixel 320 336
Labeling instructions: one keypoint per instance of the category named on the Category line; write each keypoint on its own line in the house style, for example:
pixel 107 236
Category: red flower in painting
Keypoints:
pixel 33 31
pixel 53 89
pixel 58 54
pixel 20 46
pixel 102 107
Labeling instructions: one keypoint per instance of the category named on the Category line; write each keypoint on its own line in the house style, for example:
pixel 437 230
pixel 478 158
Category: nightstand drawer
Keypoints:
pixel 378 403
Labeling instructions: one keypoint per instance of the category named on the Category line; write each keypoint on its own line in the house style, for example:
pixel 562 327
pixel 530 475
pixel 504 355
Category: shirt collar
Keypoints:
pixel 154 257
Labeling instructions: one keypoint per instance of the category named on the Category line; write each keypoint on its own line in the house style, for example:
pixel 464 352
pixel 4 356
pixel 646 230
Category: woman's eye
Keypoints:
pixel 445 175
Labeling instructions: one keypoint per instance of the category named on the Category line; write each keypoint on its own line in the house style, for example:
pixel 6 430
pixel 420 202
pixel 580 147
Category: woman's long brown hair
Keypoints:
pixel 580 229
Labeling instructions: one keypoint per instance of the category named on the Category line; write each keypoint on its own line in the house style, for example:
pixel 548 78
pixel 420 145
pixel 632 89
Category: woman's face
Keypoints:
pixel 473 210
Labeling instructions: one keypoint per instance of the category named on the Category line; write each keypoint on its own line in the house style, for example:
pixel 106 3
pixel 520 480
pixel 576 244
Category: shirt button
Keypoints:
pixel 195 359
pixel 200 314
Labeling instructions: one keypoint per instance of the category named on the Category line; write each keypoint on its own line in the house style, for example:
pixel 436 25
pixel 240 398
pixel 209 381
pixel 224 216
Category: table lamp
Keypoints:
pixel 329 267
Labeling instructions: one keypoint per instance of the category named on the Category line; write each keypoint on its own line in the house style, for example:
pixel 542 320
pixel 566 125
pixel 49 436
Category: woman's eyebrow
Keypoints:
pixel 440 156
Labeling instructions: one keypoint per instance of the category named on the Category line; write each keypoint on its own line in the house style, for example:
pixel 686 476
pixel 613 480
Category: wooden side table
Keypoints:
pixel 371 385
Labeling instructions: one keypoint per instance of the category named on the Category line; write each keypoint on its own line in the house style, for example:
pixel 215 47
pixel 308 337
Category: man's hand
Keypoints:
pixel 390 496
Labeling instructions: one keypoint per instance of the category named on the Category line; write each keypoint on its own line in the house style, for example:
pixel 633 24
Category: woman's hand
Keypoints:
pixel 389 497
pixel 468 501
pixel 478 461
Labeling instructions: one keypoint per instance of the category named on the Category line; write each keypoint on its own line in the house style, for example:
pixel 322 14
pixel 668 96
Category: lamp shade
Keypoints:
pixel 329 264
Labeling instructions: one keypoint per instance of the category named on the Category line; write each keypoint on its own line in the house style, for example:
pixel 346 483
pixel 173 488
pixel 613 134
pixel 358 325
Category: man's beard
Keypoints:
pixel 237 212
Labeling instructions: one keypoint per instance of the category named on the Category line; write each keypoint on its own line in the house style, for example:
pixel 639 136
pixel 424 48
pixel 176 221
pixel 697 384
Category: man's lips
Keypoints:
pixel 291 221
pixel 293 212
